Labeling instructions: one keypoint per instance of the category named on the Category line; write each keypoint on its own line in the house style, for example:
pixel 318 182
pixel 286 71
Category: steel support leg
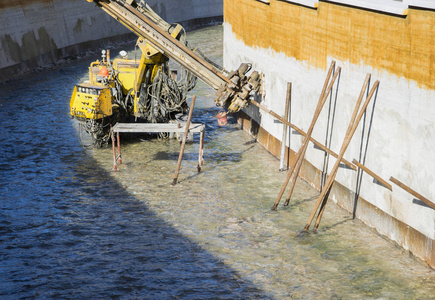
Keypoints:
pixel 115 166
pixel 118 140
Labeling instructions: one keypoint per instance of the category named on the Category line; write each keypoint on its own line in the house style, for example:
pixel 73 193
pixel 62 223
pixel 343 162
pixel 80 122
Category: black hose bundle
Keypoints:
pixel 166 96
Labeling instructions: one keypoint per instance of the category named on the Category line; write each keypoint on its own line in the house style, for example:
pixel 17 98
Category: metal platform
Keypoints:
pixel 156 128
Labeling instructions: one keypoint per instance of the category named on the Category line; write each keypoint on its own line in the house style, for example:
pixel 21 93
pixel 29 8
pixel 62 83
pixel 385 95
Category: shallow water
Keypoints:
pixel 72 228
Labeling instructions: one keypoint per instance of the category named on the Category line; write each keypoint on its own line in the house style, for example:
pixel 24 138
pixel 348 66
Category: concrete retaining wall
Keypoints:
pixel 293 43
pixel 39 32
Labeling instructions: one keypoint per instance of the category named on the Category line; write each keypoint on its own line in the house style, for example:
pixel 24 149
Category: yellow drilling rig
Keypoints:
pixel 145 89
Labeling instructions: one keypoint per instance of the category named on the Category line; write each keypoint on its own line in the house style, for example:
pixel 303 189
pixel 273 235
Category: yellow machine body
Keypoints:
pixel 93 99
pixel 91 102
pixel 132 72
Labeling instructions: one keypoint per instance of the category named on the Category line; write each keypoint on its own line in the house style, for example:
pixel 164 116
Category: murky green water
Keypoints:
pixel 226 210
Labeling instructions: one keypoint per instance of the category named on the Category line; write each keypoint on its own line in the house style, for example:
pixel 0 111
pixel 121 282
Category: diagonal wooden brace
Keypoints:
pixel 295 167
pixel 353 124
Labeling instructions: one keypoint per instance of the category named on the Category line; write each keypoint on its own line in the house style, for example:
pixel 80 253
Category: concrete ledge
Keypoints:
pixel 52 58
pixel 201 22
pixel 405 236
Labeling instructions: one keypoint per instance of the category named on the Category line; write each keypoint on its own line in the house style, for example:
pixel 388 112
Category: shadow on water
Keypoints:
pixel 68 230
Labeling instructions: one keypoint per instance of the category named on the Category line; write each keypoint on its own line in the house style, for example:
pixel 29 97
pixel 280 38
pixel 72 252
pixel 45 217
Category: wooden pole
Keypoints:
pixel 301 132
pixel 183 144
pixel 412 192
pixel 201 151
pixel 353 125
pixel 371 173
pixel 323 96
pixel 285 127
pixel 300 158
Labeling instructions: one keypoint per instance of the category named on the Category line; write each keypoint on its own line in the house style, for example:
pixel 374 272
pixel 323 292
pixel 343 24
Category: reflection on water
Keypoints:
pixel 72 228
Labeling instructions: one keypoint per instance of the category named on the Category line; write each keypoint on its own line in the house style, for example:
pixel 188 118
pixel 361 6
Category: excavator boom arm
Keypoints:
pixel 233 91
pixel 129 16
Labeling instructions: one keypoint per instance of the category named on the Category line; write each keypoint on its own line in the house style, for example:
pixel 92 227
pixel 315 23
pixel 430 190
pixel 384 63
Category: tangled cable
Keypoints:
pixel 165 96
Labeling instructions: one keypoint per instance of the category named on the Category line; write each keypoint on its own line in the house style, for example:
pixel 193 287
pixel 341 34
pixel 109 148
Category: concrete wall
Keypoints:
pixel 293 43
pixel 39 32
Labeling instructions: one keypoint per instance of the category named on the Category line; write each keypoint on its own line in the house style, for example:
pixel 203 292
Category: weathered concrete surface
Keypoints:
pixel 39 32
pixel 291 43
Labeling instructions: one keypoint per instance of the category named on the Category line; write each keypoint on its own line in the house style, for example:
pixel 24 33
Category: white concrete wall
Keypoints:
pixel 402 139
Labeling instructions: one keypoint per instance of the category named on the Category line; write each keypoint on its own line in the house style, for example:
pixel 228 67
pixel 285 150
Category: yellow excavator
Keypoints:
pixel 145 89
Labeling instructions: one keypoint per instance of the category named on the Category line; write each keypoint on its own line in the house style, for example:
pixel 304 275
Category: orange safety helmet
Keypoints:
pixel 104 72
